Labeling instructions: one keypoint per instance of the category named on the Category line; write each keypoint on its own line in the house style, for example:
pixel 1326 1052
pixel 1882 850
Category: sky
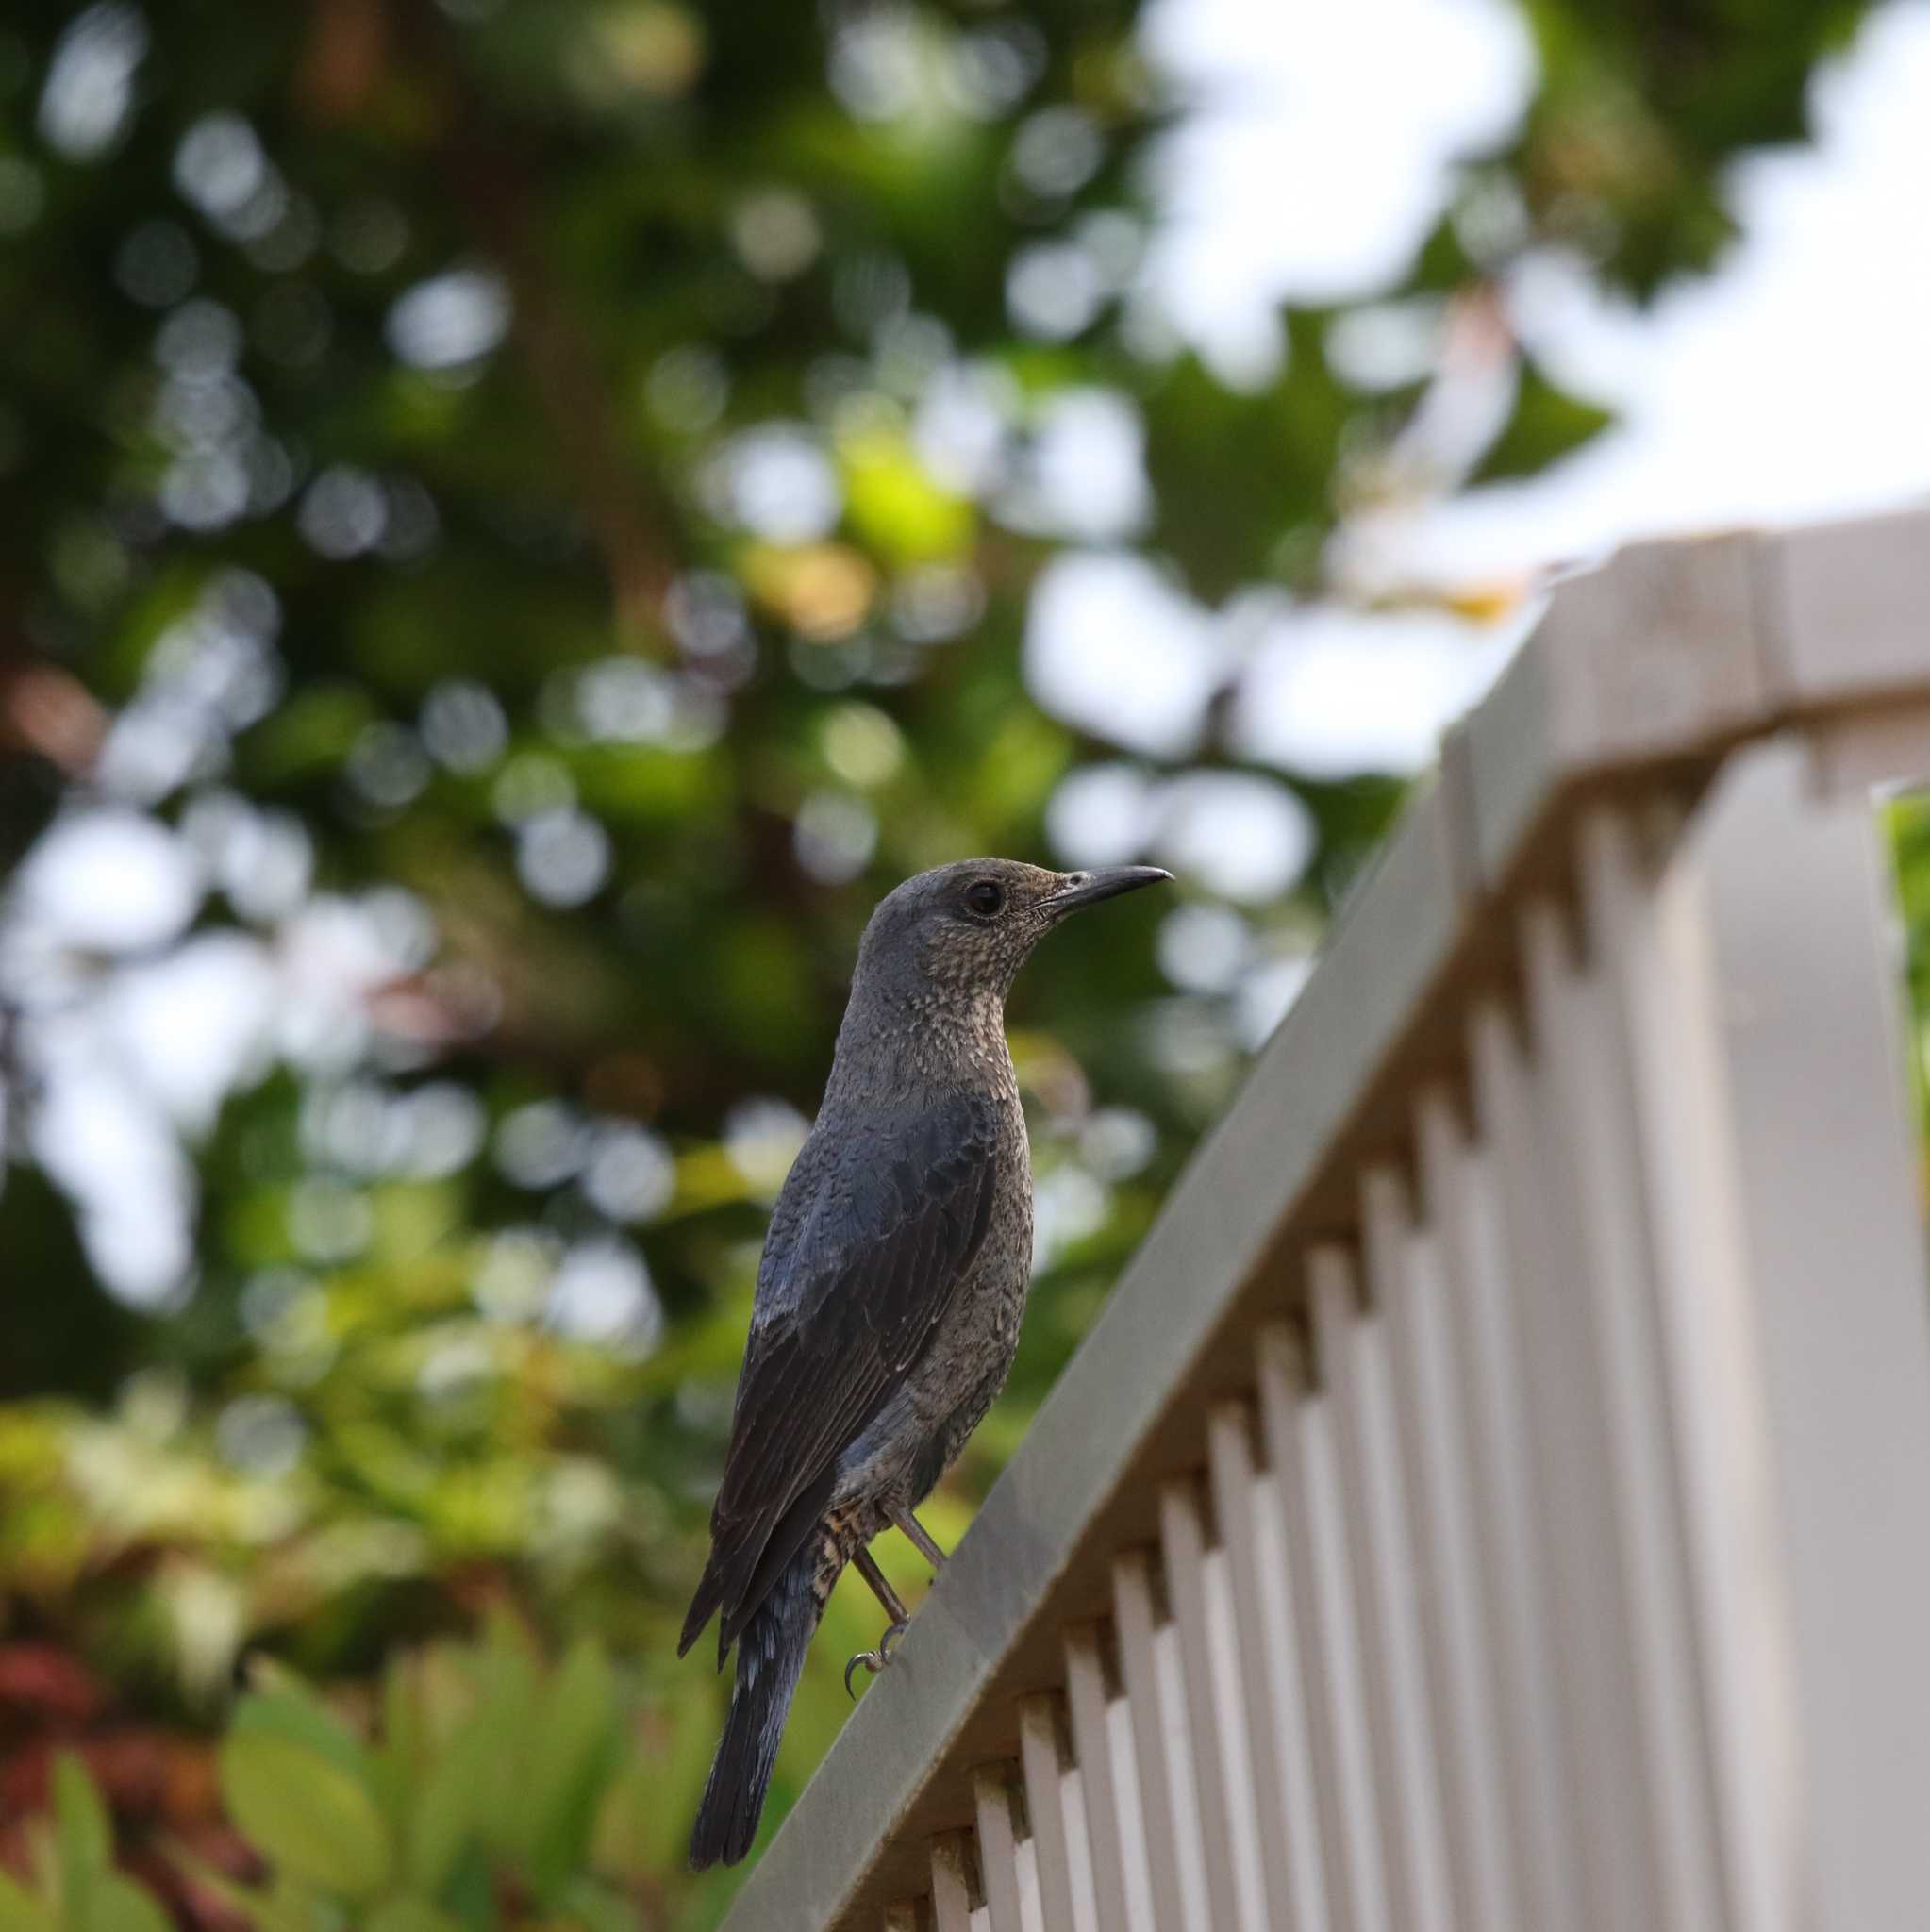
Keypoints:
pixel 1306 165
pixel 1792 384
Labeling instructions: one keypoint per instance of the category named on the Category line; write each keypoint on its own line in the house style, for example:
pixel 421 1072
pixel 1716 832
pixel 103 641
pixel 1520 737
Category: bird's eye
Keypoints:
pixel 986 897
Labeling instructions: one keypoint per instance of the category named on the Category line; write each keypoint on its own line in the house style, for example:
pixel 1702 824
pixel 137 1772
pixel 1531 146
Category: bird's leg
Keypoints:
pixel 867 1566
pixel 875 1660
pixel 920 1537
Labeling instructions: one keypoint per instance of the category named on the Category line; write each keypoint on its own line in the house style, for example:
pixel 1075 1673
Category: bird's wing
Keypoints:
pixel 894 1217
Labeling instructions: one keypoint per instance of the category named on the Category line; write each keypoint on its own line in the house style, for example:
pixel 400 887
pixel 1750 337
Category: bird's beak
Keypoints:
pixel 1082 888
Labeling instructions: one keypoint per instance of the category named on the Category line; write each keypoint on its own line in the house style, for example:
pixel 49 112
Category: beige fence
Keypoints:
pixel 1497 1497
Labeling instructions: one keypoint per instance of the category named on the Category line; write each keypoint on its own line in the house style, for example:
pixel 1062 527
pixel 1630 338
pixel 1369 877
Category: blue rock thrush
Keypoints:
pixel 888 1297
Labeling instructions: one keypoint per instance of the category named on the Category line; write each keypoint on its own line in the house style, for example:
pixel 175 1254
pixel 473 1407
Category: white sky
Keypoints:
pixel 1794 383
pixel 1314 159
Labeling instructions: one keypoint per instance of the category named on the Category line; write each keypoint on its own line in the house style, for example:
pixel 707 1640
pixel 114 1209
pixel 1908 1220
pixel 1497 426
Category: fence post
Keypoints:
pixel 1808 992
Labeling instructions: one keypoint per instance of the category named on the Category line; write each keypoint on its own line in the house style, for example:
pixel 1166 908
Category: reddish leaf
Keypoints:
pixel 44 1679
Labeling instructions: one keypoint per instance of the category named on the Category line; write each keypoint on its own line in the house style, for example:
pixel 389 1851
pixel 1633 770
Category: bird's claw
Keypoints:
pixel 874 1660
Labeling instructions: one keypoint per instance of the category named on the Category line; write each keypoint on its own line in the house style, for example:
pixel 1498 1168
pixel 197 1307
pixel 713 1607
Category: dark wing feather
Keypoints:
pixel 862 1262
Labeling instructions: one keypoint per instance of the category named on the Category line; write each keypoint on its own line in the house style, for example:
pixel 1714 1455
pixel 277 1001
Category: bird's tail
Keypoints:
pixel 769 1655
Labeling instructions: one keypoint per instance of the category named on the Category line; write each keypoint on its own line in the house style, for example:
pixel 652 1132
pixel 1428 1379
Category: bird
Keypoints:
pixel 890 1291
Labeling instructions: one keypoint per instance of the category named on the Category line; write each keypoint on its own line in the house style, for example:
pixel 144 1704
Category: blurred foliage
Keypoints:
pixel 1907 822
pixel 519 526
pixel 78 1886
pixel 494 1793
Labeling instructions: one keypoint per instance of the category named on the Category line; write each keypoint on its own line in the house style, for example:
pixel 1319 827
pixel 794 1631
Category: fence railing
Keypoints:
pixel 1497 1496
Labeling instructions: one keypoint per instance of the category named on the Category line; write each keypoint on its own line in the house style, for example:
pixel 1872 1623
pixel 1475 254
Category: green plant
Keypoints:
pixel 491 1791
pixel 74 1887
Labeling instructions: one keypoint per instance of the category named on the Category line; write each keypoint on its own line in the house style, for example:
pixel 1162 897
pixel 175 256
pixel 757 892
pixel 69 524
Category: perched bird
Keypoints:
pixel 888 1296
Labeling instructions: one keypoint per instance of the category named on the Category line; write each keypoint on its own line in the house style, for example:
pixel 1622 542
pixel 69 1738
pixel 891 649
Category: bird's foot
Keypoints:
pixel 874 1660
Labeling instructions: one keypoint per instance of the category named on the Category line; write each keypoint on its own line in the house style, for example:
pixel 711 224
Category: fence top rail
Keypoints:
pixel 1640 677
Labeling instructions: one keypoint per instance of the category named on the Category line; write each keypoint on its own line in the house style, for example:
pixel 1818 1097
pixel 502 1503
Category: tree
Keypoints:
pixel 521 521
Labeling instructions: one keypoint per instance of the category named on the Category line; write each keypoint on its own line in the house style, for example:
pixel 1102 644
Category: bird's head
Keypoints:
pixel 965 929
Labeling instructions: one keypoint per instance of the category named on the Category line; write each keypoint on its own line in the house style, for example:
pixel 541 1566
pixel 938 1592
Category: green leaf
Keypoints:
pixel 87 1833
pixel 403 1729
pixel 84 1835
pixel 471 1893
pixel 577 1746
pixel 1546 424
pixel 284 1706
pixel 597 1908
pixel 503 1740
pixel 265 1912
pixel 894 504
pixel 1283 442
pixel 305 1814
pixel 451 1805
pixel 20 1912
pixel 397 1768
pixel 410 1915
pixel 1442 262
pixel 119 1904
pixel 311 733
pixel 294 1904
